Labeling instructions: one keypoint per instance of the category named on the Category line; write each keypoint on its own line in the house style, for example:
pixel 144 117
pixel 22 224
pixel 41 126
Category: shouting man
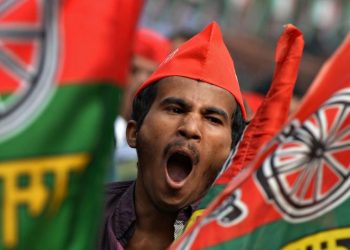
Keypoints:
pixel 186 119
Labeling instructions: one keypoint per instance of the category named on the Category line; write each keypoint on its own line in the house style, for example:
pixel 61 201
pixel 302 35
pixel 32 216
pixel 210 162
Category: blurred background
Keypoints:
pixel 251 29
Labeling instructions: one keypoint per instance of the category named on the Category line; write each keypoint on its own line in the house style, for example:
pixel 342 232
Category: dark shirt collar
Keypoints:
pixel 124 216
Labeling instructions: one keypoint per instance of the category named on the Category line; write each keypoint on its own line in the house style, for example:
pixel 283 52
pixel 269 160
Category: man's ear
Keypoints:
pixel 131 133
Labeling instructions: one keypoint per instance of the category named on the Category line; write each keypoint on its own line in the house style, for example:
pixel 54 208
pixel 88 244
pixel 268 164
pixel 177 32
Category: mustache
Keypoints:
pixel 179 144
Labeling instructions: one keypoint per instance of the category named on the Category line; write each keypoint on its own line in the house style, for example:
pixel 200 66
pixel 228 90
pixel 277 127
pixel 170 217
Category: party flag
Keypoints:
pixel 62 67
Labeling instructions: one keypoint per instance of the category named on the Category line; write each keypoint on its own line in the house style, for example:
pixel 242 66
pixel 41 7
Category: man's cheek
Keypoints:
pixel 208 178
pixel 223 149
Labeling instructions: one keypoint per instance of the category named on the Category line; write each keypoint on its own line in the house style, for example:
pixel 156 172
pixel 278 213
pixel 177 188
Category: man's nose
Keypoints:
pixel 190 127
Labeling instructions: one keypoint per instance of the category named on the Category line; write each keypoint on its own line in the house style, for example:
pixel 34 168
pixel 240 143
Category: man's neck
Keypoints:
pixel 154 228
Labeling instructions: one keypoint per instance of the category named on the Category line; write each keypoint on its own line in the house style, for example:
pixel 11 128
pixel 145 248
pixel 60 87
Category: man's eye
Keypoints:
pixel 214 120
pixel 175 110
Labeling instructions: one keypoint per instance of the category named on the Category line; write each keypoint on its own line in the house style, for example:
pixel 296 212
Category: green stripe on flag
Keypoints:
pixel 65 153
pixel 285 233
pixel 75 120
pixel 213 192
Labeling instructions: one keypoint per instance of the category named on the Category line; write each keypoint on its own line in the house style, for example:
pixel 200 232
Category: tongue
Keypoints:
pixel 178 168
pixel 176 173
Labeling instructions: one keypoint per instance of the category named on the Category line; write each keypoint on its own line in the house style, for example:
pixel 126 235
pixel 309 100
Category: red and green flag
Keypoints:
pixel 294 194
pixel 62 68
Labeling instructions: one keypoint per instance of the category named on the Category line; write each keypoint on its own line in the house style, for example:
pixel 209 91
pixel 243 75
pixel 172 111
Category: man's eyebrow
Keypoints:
pixel 175 100
pixel 215 110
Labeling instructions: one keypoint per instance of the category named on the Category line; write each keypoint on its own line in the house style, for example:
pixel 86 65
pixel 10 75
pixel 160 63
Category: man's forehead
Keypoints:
pixel 182 84
pixel 193 90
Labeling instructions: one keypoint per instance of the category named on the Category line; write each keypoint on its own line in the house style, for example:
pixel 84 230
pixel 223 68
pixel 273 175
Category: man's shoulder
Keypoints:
pixel 118 197
pixel 117 194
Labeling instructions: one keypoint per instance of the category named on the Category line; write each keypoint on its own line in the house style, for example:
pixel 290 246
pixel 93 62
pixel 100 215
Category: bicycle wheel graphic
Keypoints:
pixel 28 60
pixel 309 173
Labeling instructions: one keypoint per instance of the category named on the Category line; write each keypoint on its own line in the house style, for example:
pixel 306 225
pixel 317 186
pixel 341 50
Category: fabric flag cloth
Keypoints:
pixel 62 68
pixel 295 193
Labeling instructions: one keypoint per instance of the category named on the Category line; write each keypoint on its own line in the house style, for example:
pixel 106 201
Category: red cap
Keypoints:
pixel 204 57
pixel 151 45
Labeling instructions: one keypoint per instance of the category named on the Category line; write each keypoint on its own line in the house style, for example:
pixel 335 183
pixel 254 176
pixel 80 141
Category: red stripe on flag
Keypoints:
pixel 92 50
pixel 332 77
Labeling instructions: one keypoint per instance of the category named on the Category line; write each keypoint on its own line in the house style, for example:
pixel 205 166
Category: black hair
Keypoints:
pixel 143 101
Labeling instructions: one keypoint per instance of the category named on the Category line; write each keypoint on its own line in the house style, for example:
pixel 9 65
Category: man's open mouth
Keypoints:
pixel 179 166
